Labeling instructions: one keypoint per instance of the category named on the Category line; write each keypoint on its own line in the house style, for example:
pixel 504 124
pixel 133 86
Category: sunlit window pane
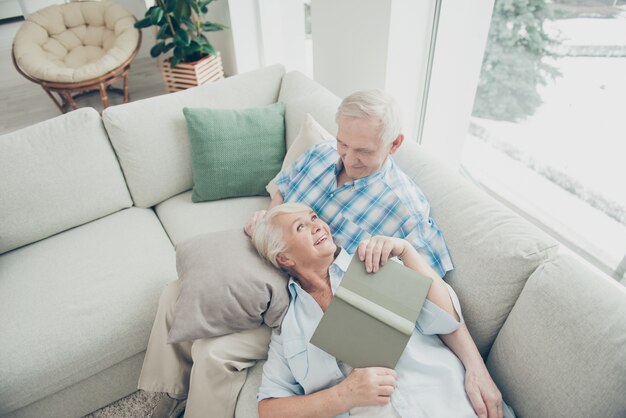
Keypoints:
pixel 548 131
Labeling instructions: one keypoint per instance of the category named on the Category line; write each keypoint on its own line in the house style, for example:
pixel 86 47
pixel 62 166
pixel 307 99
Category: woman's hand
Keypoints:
pixel 369 386
pixel 251 224
pixel 375 251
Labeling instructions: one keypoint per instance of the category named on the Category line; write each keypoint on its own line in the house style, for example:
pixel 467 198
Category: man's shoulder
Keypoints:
pixel 325 147
pixel 322 153
pixel 406 190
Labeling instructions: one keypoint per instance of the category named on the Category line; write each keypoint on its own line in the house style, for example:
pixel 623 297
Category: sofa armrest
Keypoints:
pixel 562 351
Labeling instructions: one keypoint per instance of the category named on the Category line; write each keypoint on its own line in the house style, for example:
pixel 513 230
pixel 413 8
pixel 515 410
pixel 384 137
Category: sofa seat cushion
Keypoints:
pixel 183 219
pixel 493 249
pixel 247 406
pixel 562 350
pixel 78 303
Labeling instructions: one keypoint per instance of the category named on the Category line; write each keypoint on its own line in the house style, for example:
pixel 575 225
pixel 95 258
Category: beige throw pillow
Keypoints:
pixel 311 133
pixel 226 287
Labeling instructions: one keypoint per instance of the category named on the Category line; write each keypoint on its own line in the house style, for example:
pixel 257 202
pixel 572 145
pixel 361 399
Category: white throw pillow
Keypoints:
pixel 311 133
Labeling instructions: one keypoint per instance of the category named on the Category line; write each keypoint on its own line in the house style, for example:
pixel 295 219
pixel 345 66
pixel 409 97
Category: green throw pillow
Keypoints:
pixel 235 152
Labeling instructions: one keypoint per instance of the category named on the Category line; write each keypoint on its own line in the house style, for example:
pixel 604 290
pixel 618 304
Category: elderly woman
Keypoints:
pixel 300 380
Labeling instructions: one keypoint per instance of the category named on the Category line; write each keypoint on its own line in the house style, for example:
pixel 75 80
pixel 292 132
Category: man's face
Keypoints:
pixel 360 147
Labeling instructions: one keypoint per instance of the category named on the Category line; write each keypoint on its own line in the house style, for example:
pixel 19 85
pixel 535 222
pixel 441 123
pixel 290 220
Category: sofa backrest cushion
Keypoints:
pixel 493 250
pixel 562 350
pixel 56 175
pixel 150 136
pixel 302 95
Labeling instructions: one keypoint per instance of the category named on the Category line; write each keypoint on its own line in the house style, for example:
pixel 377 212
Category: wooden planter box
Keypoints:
pixel 191 74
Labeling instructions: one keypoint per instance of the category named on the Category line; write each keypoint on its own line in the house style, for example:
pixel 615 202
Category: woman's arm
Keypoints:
pixel 377 250
pixel 369 386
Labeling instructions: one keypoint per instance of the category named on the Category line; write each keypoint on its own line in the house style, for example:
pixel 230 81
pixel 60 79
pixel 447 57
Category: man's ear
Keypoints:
pixel 284 261
pixel 396 143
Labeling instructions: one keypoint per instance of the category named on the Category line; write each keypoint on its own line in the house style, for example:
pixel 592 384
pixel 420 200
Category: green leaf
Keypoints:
pixel 186 21
pixel 156 50
pixel 182 37
pixel 168 47
pixel 170 5
pixel 212 27
pixel 174 61
pixel 195 46
pixel 157 15
pixel 143 23
pixel 164 32
pixel 208 49
pixel 175 23
pixel 182 9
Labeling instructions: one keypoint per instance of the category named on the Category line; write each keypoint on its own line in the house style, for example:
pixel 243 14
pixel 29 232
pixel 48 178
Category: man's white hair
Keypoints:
pixel 268 237
pixel 376 105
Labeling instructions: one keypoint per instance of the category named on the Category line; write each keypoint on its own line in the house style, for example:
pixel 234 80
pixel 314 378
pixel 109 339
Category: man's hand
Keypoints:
pixel 375 251
pixel 370 386
pixel 251 224
pixel 485 397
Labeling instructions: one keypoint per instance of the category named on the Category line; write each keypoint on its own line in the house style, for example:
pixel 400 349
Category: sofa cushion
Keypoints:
pixel 79 302
pixel 311 133
pixel 56 175
pixel 226 287
pixel 150 136
pixel 235 152
pixel 562 350
pixel 183 219
pixel 302 95
pixel 493 250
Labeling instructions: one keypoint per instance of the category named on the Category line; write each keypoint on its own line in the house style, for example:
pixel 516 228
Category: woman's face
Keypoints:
pixel 307 238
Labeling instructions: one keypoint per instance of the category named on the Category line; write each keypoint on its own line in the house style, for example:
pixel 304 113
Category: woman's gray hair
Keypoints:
pixel 374 105
pixel 268 237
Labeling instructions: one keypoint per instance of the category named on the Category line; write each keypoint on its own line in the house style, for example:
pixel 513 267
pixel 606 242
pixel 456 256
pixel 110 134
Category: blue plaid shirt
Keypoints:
pixel 386 203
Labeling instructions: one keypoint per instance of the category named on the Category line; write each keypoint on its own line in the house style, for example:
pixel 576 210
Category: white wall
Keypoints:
pixel 350 39
pixel 364 44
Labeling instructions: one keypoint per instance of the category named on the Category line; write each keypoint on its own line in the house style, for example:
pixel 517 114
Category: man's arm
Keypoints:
pixel 483 393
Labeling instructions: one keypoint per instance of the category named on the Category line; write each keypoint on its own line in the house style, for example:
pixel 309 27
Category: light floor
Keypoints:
pixel 23 103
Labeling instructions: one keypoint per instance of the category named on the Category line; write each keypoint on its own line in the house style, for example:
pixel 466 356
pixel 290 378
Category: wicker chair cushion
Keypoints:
pixel 74 42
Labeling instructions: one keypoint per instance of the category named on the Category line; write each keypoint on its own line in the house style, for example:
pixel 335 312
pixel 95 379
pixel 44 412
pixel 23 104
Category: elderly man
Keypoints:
pixel 359 191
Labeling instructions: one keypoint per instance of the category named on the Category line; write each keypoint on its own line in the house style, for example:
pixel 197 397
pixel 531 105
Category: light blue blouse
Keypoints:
pixel 430 377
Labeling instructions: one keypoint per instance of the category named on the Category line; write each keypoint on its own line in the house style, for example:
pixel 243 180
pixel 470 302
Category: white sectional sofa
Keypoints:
pixel 91 209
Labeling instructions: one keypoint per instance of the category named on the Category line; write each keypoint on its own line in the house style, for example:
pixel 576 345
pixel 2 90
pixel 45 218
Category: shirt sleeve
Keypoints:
pixel 434 320
pixel 287 179
pixel 277 380
pixel 287 176
pixel 425 237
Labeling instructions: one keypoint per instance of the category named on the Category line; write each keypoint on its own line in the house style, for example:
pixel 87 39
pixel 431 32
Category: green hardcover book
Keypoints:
pixel 372 316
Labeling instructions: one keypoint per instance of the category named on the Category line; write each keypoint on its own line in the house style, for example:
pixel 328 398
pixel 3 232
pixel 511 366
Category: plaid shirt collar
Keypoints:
pixel 362 182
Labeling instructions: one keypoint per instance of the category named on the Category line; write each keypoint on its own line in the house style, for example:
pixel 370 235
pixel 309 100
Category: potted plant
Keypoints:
pixel 181 29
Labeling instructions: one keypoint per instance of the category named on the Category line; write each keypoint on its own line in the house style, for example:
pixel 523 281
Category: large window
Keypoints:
pixel 548 128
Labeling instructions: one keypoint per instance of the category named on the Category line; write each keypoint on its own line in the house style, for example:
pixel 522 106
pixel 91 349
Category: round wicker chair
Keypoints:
pixel 73 48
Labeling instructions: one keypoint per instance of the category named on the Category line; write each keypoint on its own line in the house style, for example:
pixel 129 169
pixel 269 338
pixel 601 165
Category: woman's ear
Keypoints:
pixel 284 261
